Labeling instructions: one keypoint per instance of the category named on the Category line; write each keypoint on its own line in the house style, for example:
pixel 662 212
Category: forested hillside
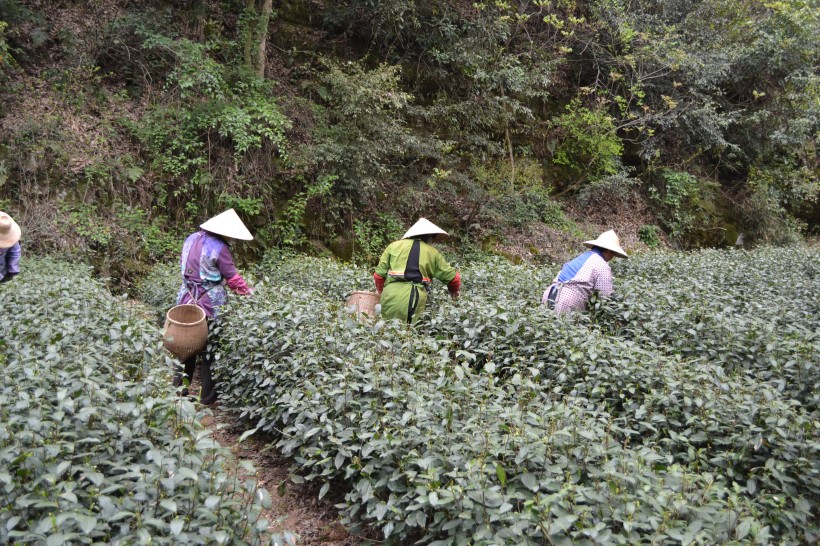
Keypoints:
pixel 520 126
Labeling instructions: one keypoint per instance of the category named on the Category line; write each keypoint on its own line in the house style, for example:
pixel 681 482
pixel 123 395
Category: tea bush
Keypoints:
pixel 94 445
pixel 682 410
pixel 158 289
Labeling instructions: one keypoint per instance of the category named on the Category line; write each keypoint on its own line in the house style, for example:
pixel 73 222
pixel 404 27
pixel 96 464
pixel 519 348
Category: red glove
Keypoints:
pixel 454 286
pixel 238 285
pixel 379 280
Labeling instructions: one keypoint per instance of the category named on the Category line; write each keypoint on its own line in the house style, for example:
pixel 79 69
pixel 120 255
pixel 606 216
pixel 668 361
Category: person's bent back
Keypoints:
pixel 406 269
pixel 9 248
pixel 585 274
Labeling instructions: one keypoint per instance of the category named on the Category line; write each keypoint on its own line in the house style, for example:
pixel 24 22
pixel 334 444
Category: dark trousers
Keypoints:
pixel 207 392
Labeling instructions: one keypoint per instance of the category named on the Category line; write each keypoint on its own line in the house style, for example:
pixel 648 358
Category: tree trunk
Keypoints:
pixel 264 20
pixel 257 17
pixel 247 25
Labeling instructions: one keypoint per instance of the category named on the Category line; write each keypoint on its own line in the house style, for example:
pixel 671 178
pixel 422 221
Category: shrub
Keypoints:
pixel 619 189
pixel 588 144
pixel 372 237
pixel 649 235
pixel 685 206
pixel 158 289
pixel 94 445
pixel 532 205
pixel 6 60
pixel 762 212
pixel 683 410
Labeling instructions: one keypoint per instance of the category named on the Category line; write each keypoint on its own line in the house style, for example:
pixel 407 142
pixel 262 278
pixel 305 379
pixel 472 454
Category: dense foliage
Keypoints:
pixel 94 445
pixel 686 409
pixel 363 115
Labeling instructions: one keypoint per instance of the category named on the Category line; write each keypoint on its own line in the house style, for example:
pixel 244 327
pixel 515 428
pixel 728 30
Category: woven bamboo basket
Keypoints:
pixel 186 331
pixel 364 302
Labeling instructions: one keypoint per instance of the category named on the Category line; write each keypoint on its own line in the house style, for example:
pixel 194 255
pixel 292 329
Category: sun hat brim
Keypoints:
pixel 228 224
pixel 11 237
pixel 614 248
pixel 424 227
pixel 608 241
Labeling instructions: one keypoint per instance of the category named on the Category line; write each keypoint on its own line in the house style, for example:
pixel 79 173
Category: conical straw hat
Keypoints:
pixel 228 224
pixel 608 240
pixel 423 227
pixel 9 231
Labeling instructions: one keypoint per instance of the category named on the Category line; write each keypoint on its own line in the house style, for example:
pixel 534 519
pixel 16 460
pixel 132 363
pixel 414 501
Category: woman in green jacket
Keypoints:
pixel 406 270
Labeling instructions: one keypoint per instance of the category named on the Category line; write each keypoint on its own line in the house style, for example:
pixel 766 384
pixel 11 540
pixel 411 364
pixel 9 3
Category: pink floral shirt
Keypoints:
pixel 591 273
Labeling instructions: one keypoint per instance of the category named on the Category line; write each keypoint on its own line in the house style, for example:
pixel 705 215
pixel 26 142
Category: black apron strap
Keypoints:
pixel 412 272
pixel 413 304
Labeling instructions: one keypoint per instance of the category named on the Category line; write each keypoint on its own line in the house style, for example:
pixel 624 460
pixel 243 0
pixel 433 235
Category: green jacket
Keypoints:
pixel 398 295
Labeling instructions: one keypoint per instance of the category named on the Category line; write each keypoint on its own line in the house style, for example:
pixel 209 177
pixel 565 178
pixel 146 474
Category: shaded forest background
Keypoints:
pixel 520 126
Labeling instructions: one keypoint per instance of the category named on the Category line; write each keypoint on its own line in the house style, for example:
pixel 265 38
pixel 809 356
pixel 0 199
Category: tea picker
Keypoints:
pixel 207 268
pixel 9 248
pixel 587 273
pixel 406 270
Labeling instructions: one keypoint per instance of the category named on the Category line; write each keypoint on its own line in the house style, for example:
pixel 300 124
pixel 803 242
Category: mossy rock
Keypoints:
pixel 342 247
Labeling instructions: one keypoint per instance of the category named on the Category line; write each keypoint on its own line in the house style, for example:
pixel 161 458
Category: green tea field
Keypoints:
pixel 684 410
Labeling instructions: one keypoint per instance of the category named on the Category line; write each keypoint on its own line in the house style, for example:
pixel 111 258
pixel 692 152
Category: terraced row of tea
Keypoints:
pixel 685 409
pixel 94 446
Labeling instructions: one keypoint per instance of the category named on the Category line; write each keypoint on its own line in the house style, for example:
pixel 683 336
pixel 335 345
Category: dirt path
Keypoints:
pixel 298 510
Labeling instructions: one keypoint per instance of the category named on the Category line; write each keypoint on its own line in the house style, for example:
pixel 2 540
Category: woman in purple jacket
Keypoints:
pixel 9 248
pixel 207 267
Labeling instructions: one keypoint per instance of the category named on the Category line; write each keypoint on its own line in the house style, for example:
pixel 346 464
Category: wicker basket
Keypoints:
pixel 186 331
pixel 364 302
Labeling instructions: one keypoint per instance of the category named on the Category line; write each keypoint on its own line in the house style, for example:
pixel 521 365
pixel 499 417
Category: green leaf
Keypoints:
pixel 530 481
pixel 743 529
pixel 380 511
pixel 176 526
pixel 312 432
pixel 501 473
pixel 246 435
pixel 264 497
pixel 87 523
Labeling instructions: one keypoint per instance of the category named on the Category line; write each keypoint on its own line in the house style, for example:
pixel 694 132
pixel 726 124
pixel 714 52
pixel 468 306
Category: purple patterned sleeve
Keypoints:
pixel 225 263
pixel 13 260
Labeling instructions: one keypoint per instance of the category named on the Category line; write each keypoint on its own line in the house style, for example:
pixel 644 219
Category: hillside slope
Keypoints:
pixel 521 127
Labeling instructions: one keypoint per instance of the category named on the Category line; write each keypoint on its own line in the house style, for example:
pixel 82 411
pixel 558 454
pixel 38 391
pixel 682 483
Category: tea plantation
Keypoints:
pixel 684 410
pixel 95 448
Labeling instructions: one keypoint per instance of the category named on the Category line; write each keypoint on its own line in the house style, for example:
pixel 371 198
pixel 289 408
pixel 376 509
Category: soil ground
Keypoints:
pixel 299 510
